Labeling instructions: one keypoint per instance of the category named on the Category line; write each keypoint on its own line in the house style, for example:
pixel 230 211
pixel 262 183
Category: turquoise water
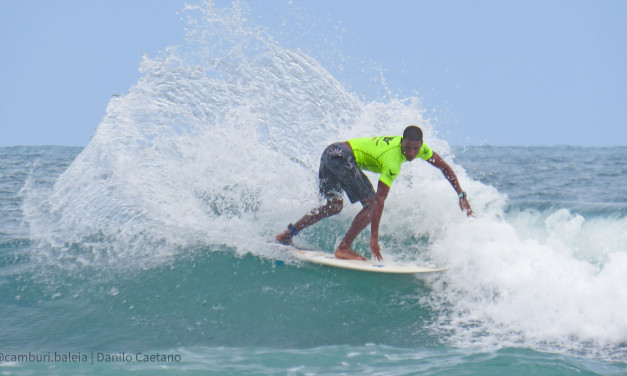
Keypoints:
pixel 218 310
pixel 149 251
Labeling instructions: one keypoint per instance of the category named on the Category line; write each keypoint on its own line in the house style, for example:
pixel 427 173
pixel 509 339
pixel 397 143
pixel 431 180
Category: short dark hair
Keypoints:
pixel 413 133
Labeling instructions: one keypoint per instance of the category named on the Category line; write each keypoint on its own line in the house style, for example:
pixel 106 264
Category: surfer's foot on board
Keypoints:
pixel 285 237
pixel 348 254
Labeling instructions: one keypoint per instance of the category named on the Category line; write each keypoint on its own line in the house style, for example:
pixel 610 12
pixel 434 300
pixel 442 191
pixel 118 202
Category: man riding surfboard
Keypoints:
pixel 341 168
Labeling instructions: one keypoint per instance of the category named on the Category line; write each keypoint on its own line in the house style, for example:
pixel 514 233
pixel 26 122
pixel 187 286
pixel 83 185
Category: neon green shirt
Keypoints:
pixel 383 155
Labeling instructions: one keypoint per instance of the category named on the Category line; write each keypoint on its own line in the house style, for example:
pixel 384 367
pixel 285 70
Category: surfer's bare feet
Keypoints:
pixel 348 254
pixel 285 237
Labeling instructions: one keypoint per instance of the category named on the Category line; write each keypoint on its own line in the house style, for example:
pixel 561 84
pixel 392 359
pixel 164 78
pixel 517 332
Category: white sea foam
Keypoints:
pixel 521 281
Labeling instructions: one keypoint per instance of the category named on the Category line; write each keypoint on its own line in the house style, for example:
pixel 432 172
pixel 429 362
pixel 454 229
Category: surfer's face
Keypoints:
pixel 410 148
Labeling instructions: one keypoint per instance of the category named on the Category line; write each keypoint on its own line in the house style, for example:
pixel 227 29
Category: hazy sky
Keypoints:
pixel 493 72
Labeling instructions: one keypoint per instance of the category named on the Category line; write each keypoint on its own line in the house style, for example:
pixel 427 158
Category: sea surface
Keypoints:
pixel 150 250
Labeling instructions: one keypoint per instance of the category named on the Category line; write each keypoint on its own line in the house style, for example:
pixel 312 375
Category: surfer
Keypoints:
pixel 341 168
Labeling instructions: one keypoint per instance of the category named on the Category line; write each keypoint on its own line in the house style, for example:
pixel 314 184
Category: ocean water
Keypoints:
pixel 149 251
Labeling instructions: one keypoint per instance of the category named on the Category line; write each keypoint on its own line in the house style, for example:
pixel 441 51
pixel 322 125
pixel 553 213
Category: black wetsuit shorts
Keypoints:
pixel 339 172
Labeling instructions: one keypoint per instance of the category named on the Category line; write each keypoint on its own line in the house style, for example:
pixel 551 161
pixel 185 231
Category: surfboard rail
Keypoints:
pixel 328 259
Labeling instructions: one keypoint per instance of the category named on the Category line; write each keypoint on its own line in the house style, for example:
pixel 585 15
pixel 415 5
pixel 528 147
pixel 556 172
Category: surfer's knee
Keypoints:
pixel 334 206
pixel 368 203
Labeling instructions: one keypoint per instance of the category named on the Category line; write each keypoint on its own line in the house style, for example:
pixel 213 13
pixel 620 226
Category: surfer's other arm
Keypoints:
pixel 449 174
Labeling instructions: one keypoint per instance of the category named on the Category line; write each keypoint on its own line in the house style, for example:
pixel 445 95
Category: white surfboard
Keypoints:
pixel 328 259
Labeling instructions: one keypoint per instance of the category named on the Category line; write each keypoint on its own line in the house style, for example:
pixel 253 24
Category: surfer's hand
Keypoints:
pixel 465 206
pixel 374 248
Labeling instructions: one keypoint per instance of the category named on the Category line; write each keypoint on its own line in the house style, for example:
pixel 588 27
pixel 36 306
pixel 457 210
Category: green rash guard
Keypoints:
pixel 383 155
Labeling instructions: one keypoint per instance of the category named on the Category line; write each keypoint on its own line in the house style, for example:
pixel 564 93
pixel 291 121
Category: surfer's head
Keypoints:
pixel 412 142
pixel 412 133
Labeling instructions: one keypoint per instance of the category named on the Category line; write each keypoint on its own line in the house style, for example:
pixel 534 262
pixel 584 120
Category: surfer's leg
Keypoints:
pixel 332 207
pixel 362 219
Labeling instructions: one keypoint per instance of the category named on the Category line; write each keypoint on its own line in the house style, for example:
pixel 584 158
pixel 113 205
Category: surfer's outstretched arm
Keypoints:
pixel 449 174
pixel 377 212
